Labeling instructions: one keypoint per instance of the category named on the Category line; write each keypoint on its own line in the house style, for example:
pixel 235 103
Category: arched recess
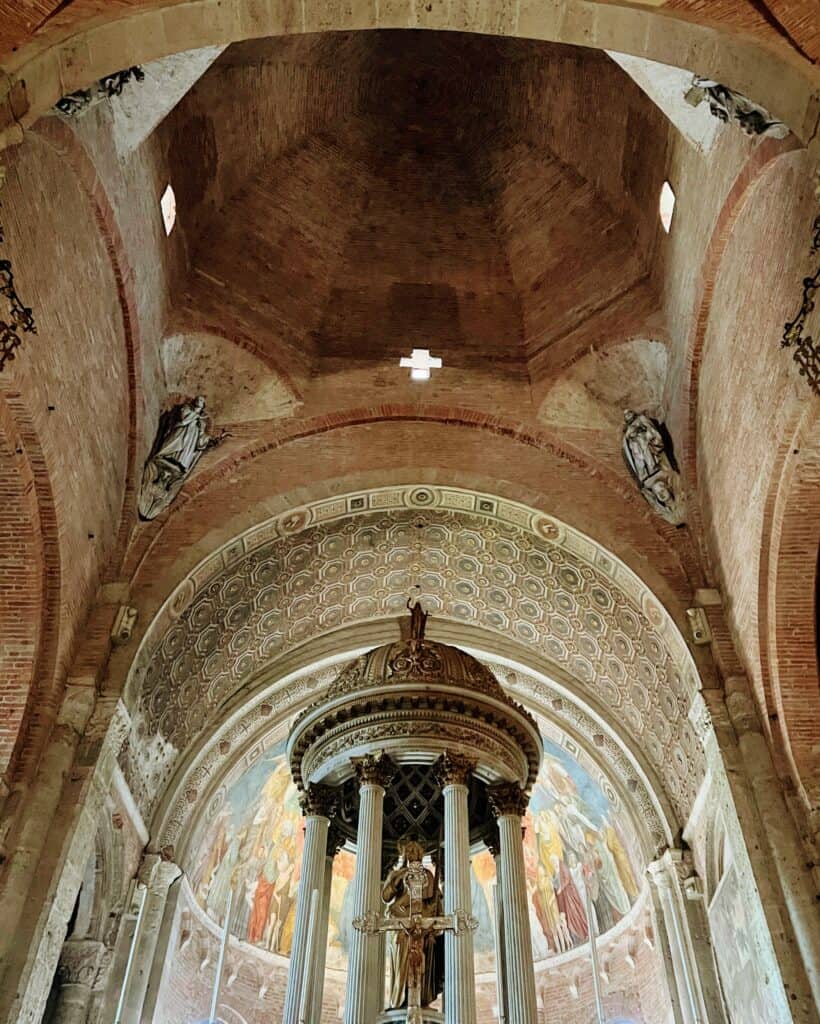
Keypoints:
pixel 547 595
pixel 773 74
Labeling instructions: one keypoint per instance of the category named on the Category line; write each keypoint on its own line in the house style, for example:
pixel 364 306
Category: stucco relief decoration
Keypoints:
pixel 650 458
pixel 182 439
pixel 732 107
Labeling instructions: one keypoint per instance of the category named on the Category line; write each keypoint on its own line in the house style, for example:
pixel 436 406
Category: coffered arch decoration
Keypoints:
pixel 520 579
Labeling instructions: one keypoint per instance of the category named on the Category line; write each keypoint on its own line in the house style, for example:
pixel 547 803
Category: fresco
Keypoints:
pixel 574 844
pixel 740 965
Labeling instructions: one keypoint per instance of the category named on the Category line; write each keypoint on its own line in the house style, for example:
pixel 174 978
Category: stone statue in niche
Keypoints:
pixel 649 455
pixel 728 105
pixel 181 440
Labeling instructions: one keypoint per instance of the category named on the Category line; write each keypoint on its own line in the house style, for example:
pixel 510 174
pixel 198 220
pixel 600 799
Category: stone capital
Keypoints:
pixel 319 801
pixel 453 770
pixel 156 872
pixel 79 962
pixel 507 798
pixel 374 769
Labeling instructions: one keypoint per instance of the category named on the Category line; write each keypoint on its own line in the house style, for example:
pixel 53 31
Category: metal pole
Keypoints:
pixel 592 927
pixel 143 891
pixel 221 962
pixel 310 942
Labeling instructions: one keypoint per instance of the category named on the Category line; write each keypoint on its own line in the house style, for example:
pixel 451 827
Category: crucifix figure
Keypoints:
pixel 413 922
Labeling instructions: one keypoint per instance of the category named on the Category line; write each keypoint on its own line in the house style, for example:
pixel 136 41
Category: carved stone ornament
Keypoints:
pixel 124 624
pixel 319 801
pixel 454 770
pixel 806 350
pixel 181 441
pixel 79 962
pixel 374 769
pixel 649 456
pixel 507 798
pixel 727 105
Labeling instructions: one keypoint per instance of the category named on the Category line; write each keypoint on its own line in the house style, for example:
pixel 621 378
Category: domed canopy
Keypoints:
pixel 415 700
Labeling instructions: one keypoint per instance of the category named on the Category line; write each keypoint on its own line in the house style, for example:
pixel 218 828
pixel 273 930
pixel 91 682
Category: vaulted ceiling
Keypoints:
pixel 480 197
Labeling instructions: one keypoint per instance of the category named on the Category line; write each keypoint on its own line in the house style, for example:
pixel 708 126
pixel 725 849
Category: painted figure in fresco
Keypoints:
pixel 397 895
pixel 223 878
pixel 263 894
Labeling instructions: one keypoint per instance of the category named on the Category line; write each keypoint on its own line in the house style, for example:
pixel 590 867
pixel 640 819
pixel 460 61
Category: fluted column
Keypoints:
pixel 77 973
pixel 453 774
pixel 509 803
pixel 318 804
pixel 500 945
pixel 157 874
pixel 334 844
pixel 374 773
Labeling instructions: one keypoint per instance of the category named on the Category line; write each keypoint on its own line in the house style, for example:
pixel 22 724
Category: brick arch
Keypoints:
pixel 59 137
pixel 787 608
pixel 420 443
pixel 71 54
pixel 29 592
pixel 736 446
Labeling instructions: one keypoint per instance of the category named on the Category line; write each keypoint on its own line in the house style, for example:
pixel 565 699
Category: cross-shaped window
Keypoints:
pixel 420 363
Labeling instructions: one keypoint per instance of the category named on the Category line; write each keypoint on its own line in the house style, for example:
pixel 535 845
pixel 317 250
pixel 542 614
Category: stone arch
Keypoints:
pixel 779 78
pixel 385 520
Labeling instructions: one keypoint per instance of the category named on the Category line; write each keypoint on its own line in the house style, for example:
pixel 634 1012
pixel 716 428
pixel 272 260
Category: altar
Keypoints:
pixel 415 759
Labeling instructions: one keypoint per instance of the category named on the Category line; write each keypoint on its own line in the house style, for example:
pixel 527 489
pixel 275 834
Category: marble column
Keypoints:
pixel 509 803
pixel 453 774
pixel 77 974
pixel 318 804
pixel 664 879
pixel 334 844
pixel 157 874
pixel 374 773
pixel 500 945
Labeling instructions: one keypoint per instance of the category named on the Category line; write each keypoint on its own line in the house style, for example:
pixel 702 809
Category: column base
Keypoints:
pixel 400 1016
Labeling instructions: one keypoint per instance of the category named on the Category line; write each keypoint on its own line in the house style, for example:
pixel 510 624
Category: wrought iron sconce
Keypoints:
pixel 110 85
pixel 806 352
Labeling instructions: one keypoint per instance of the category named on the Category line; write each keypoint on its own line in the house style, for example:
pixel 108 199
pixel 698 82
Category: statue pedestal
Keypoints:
pixel 400 1016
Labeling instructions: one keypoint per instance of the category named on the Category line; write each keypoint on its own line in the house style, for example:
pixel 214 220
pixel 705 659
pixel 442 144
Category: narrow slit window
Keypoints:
pixel 168 205
pixel 667 206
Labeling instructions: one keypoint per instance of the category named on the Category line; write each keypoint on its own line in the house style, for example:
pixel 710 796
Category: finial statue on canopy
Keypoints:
pixel 418 619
